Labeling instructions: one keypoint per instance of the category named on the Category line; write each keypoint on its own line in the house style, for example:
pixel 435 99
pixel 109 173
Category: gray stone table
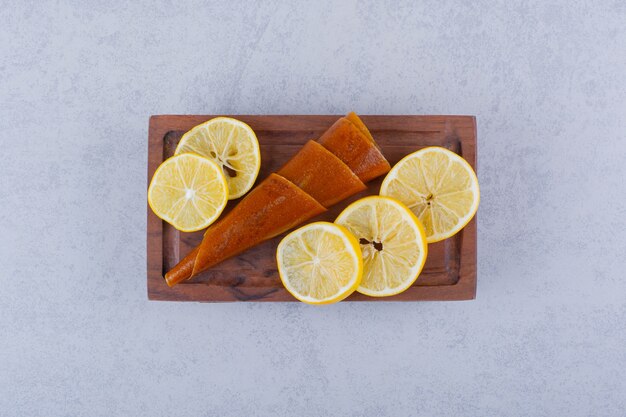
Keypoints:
pixel 546 335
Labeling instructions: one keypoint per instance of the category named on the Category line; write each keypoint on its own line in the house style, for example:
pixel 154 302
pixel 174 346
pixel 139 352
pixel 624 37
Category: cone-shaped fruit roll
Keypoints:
pixel 356 120
pixel 355 149
pixel 273 207
pixel 321 174
pixel 315 178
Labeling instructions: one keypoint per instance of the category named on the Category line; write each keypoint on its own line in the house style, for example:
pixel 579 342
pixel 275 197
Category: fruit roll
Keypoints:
pixel 273 207
pixel 322 175
pixel 344 137
pixel 350 144
pixel 356 120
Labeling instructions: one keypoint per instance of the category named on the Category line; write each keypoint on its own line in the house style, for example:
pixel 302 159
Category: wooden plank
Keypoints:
pixel 450 270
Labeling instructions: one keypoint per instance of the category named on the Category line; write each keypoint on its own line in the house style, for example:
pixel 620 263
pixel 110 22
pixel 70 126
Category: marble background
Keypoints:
pixel 546 335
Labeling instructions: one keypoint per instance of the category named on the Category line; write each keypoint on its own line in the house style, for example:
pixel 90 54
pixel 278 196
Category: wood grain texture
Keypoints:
pixel 450 270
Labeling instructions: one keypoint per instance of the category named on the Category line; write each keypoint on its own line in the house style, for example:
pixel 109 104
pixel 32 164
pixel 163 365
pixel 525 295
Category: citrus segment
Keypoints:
pixel 231 144
pixel 320 263
pixel 188 191
pixel 439 187
pixel 393 244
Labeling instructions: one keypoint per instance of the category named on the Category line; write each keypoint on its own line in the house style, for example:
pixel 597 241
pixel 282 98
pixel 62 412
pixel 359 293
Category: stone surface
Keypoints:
pixel 546 335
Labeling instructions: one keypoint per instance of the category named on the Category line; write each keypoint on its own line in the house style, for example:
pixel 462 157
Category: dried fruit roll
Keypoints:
pixel 348 142
pixel 273 207
pixel 316 177
pixel 356 120
pixel 321 174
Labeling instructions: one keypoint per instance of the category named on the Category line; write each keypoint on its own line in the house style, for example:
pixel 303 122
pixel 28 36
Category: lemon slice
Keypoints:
pixel 188 191
pixel 440 188
pixel 231 144
pixel 320 263
pixel 393 244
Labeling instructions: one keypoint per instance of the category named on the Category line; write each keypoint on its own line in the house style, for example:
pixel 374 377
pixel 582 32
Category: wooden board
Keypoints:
pixel 450 270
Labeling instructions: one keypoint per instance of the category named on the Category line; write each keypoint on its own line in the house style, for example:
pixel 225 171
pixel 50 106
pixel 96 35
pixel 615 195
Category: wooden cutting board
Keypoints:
pixel 450 270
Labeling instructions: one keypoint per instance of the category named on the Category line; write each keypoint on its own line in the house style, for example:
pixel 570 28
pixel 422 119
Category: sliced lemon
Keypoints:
pixel 231 144
pixel 320 263
pixel 188 191
pixel 439 187
pixel 393 244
